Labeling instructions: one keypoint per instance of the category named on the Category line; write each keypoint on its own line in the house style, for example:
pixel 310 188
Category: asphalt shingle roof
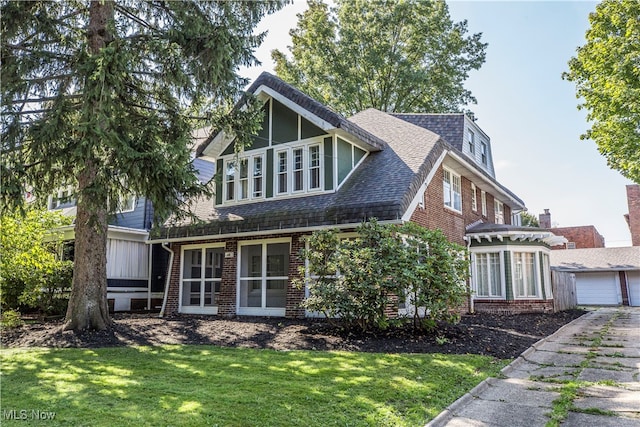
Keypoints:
pixel 382 187
pixel 596 259
pixel 448 126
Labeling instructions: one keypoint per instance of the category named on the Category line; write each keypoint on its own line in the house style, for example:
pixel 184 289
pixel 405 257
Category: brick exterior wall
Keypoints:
pixel 513 307
pixel 228 287
pixel 633 217
pixel 585 236
pixel 294 294
pixel 434 215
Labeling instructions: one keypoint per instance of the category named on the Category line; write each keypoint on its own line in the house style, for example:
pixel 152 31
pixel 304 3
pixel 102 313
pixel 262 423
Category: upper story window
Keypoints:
pixel 292 170
pixel 498 207
pixel 283 172
pixel 243 179
pixel 472 142
pixel 451 186
pixel 63 198
pixel 127 204
pixel 483 147
pixel 474 198
pixel 483 197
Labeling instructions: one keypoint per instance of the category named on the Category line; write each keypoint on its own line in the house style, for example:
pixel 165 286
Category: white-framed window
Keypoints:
pixel 452 190
pixel 298 169
pixel 244 178
pixel 472 142
pixel 571 245
pixel 483 200
pixel 525 275
pixel 63 198
pixel 483 152
pixel 230 180
pixel 474 198
pixel 263 275
pixel 282 172
pixel 200 278
pixel 127 204
pixel 258 176
pixel 314 167
pixel 498 208
pixel 489 271
pixel 243 187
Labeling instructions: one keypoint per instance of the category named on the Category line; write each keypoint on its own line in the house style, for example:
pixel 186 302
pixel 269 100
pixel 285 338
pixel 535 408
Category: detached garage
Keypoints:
pixel 604 276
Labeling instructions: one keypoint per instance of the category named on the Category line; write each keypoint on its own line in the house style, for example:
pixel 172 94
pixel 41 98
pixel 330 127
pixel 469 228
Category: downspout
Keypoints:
pixel 166 285
pixel 471 307
pixel 149 273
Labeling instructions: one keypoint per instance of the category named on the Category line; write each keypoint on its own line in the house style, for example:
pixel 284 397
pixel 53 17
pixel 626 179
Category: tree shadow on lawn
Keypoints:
pixel 206 385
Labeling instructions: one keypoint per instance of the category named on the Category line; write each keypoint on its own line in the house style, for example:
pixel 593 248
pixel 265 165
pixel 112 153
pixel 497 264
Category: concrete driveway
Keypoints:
pixel 585 374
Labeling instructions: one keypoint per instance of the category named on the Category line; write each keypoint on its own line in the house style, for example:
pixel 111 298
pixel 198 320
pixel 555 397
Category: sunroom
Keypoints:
pixel 510 269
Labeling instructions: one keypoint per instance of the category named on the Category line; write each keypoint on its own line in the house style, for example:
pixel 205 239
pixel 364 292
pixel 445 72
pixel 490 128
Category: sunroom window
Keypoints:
pixel 488 276
pixel 524 275
pixel 201 278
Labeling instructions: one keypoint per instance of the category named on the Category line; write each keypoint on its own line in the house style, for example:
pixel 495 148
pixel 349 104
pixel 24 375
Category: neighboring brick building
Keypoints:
pixel 578 237
pixel 310 169
pixel 633 217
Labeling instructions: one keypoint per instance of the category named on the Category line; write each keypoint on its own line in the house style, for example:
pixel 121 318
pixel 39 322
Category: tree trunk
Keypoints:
pixel 88 308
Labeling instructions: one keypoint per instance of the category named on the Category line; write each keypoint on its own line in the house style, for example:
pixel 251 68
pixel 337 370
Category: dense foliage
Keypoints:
pixel 103 96
pixel 606 71
pixel 396 56
pixel 529 220
pixel 359 278
pixel 32 275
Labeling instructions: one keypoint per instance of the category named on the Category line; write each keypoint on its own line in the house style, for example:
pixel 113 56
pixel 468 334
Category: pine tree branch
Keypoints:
pixel 126 12
pixel 43 99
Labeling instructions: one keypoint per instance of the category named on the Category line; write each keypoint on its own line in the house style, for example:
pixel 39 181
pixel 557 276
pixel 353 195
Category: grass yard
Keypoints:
pixel 211 386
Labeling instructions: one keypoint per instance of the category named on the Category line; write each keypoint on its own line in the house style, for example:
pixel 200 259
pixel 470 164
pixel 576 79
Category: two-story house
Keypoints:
pixel 310 168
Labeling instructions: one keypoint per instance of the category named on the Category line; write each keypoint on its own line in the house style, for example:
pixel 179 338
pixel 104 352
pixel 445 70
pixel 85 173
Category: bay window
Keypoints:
pixel 488 274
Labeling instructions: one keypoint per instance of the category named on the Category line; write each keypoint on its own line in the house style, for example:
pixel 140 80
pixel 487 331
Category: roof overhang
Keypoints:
pixel 113 232
pixel 506 237
pixel 483 182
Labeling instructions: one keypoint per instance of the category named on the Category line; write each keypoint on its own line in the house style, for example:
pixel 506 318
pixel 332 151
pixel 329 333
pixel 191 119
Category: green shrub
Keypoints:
pixel 11 319
pixel 357 279
pixel 31 273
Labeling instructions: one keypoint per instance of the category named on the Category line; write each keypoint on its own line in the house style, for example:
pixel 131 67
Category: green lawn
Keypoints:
pixel 210 386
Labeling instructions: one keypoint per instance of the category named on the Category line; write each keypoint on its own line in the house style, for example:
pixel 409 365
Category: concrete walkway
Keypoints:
pixel 594 361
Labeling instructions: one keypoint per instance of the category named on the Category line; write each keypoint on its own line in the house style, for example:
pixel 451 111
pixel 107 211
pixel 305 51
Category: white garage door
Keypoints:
pixel 633 282
pixel 597 289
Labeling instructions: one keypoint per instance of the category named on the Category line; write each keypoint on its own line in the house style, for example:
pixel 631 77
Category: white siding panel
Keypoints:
pixel 633 283
pixel 127 260
pixel 598 288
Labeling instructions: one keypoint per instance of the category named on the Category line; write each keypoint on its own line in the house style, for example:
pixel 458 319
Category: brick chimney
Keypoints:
pixel 545 219
pixel 633 217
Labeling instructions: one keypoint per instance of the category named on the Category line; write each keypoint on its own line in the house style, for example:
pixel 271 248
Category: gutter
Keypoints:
pixel 262 232
pixel 166 285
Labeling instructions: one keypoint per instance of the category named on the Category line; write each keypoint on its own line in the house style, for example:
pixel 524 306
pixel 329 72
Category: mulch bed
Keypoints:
pixel 501 336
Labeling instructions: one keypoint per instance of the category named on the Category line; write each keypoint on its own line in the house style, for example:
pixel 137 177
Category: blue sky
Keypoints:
pixel 525 107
